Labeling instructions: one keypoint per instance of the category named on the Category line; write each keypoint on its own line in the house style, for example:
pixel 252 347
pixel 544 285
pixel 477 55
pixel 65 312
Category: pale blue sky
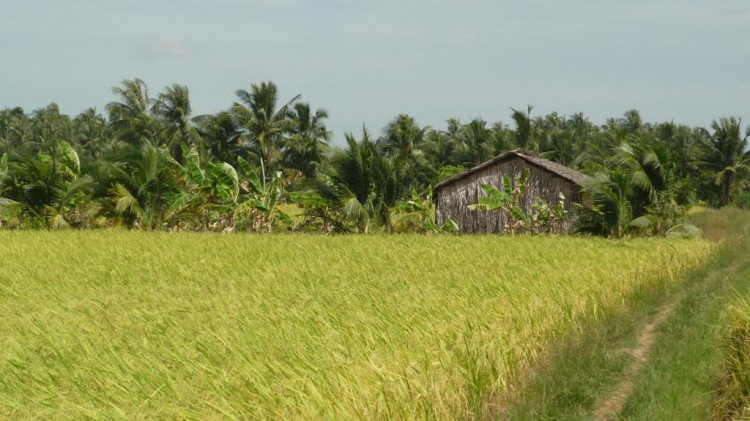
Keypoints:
pixel 366 61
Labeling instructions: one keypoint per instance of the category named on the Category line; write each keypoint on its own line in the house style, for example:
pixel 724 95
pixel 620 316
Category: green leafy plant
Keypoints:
pixel 548 217
pixel 541 216
pixel 507 200
pixel 141 185
pixel 210 195
pixel 742 200
pixel 448 171
pixel 44 190
pixel 419 213
pixel 259 204
pixel 322 210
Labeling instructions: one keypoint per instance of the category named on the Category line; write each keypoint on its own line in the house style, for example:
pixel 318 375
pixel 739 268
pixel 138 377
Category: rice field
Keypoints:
pixel 128 325
pixel 733 400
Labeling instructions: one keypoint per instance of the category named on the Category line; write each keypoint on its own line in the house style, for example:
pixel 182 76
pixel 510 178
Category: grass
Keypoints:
pixel 682 372
pixel 201 326
pixel 684 367
pixel 733 399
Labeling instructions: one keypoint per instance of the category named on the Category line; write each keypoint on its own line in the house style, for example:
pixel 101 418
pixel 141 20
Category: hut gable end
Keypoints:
pixel 546 180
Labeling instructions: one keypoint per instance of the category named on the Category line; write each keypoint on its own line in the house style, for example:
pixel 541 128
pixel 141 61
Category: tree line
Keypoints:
pixel 149 163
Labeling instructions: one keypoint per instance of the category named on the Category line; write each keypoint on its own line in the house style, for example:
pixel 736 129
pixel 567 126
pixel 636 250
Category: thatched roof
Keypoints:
pixel 560 170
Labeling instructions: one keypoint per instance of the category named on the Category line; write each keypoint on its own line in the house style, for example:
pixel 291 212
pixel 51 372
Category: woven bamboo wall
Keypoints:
pixel 453 200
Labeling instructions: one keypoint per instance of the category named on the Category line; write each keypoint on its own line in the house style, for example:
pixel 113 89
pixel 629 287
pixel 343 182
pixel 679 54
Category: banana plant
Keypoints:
pixel 221 197
pixel 508 200
pixel 541 216
pixel 545 216
pixel 423 211
pixel 212 192
pixel 417 205
pixel 260 201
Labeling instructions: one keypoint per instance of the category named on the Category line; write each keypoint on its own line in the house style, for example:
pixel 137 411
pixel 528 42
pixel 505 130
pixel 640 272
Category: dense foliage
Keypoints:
pixel 151 164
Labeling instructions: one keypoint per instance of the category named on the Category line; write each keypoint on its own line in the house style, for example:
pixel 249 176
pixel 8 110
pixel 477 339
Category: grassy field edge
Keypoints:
pixel 579 373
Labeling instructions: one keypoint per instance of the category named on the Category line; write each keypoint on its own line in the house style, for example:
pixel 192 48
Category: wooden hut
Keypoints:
pixel 546 180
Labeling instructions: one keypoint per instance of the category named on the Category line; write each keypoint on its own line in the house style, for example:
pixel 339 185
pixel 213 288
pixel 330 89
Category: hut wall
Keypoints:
pixel 453 200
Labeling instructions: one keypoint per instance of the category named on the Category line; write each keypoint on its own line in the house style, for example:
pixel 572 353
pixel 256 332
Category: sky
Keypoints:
pixel 367 61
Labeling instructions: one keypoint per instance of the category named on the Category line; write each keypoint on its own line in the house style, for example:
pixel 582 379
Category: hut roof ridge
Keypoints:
pixel 560 170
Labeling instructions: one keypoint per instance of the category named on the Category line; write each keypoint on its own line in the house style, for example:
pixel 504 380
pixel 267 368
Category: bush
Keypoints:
pixel 742 200
pixel 449 171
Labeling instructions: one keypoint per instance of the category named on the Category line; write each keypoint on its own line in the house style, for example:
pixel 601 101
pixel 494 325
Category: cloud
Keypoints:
pixel 162 47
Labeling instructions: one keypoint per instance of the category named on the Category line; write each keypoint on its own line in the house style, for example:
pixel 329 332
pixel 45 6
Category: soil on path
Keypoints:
pixel 612 405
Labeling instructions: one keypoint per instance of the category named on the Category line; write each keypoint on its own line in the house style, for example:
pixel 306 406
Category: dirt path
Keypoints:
pixel 613 404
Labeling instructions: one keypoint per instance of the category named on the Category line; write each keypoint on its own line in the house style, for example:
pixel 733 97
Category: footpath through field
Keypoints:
pixel 680 377
pixel 659 360
pixel 611 407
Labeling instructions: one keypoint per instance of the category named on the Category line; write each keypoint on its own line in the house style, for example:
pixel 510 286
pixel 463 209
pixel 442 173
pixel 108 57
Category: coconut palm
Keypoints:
pixel 611 211
pixel 131 116
pixel 15 129
pixel 265 123
pixel 403 139
pixel 558 145
pixel 439 148
pixel 173 107
pixel 366 182
pixel 632 122
pixel 89 132
pixel 728 155
pixel 306 147
pixel 42 190
pixel 50 128
pixel 524 127
pixel 221 135
pixel 141 184
pixel 647 163
pixel 502 138
pixel 476 141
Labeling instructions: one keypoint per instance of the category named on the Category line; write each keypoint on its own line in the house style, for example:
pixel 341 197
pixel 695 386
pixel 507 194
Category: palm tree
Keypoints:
pixel 40 190
pixel 221 134
pixel 365 180
pixel 524 128
pixel 306 147
pixel 454 128
pixel 558 146
pixel 648 164
pixel 439 148
pixel 502 138
pixel 15 129
pixel 265 125
pixel 141 184
pixel 173 107
pixel 476 141
pixel 403 138
pixel 632 122
pixel 130 116
pixel 611 211
pixel 728 155
pixel 89 131
pixel 50 128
